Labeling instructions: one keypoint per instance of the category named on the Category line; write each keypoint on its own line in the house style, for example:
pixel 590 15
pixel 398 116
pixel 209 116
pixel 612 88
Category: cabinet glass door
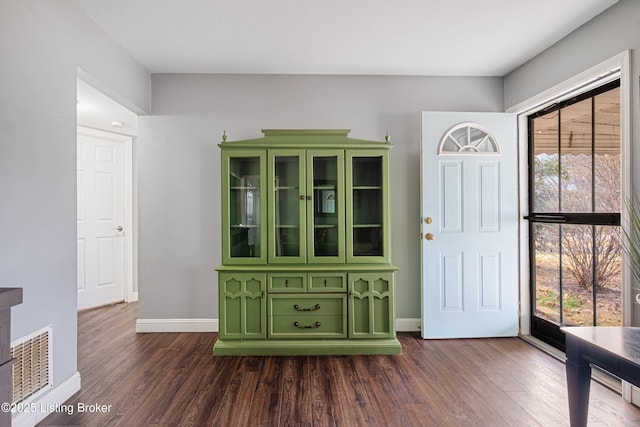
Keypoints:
pixel 286 207
pixel 325 207
pixel 367 201
pixel 243 213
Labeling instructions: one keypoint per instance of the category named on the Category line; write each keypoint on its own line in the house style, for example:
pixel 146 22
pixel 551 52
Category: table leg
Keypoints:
pixel 578 385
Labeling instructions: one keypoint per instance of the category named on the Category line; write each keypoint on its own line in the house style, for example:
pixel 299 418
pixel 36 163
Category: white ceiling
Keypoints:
pixel 375 37
pixel 379 37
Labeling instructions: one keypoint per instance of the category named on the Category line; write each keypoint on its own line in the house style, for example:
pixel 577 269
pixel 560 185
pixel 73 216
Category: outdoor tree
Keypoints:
pixel 586 249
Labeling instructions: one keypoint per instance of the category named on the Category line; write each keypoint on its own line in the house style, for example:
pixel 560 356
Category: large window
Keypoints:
pixel 575 203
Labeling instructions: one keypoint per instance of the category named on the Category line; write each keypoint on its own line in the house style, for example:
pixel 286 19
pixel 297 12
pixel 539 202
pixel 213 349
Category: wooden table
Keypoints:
pixel 614 349
pixel 8 298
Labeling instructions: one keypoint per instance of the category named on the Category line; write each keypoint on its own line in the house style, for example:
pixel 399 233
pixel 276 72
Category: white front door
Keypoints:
pixel 100 169
pixel 469 225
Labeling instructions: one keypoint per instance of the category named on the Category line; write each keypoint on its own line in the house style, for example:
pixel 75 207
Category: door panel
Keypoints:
pixel 287 240
pixel 244 207
pixel 325 206
pixel 100 219
pixel 469 224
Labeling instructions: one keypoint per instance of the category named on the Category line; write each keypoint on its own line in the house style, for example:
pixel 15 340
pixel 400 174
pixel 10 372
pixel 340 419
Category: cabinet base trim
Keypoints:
pixel 211 325
pixel 305 347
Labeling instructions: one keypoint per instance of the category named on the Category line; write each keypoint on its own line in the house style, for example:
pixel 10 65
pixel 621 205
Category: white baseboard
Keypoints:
pixel 176 325
pixel 408 325
pixel 211 325
pixel 34 411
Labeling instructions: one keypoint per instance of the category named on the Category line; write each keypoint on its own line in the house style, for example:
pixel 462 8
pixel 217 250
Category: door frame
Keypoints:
pixel 616 67
pixel 130 203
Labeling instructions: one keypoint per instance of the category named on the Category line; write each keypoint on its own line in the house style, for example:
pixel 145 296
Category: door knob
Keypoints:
pixel 428 220
pixel 119 228
pixel 429 236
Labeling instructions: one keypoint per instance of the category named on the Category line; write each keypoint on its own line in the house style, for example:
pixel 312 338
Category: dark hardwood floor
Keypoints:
pixel 173 379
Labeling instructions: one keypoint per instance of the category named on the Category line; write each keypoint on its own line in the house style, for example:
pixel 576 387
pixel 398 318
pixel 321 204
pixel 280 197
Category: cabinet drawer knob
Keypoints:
pixel 297 308
pixel 299 326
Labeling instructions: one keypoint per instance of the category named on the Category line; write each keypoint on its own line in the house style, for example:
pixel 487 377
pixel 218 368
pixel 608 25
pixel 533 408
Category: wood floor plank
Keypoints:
pixel 388 405
pixel 173 379
pixel 295 396
pixel 355 403
pixel 325 400
pixel 265 405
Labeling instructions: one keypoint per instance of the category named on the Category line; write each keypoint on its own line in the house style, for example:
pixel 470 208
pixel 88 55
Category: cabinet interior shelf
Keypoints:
pixel 244 226
pixel 324 226
pixel 324 187
pixel 287 226
pixel 367 225
pixel 367 187
pixel 286 188
pixel 244 188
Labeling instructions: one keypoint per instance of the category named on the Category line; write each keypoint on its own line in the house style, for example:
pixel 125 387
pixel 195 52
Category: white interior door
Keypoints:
pixel 101 262
pixel 469 225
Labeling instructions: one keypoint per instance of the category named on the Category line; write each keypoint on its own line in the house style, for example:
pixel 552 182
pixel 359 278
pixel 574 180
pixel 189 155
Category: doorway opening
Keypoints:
pixel 575 203
pixel 105 207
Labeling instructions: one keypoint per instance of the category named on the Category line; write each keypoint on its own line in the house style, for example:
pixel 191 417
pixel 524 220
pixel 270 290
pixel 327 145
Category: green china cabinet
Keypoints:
pixel 306 264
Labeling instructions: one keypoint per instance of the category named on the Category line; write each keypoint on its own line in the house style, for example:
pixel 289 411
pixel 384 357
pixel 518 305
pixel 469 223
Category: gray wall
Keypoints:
pixel 42 44
pixel 179 177
pixel 615 30
pixel 608 34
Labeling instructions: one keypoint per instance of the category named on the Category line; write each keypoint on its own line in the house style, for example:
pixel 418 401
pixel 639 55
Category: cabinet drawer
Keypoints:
pixel 323 282
pixel 284 282
pixel 308 326
pixel 305 305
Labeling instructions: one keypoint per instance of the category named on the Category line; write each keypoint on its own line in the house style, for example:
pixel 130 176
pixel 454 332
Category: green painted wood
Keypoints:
pixel 322 202
pixel 320 268
pixel 287 228
pixel 242 305
pixel 304 347
pixel 327 282
pixel 307 316
pixel 325 229
pixel 287 282
pixel 308 327
pixel 371 305
pixel 305 138
pixel 307 305
pixel 240 182
pixel 317 282
pixel 368 231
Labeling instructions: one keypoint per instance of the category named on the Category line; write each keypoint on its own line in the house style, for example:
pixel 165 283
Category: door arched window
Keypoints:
pixel 468 138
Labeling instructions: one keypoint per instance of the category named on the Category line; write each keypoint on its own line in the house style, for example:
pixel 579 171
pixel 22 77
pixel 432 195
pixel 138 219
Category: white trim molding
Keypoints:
pixel 176 325
pixel 38 409
pixel 408 325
